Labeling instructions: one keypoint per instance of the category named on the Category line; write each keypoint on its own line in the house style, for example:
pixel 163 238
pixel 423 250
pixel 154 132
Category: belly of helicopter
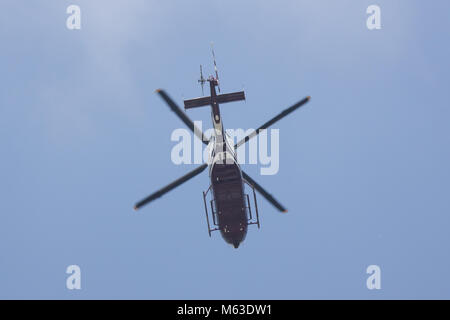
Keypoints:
pixel 229 202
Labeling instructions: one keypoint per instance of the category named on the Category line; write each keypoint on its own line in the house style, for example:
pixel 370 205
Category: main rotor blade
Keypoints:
pixel 272 121
pixel 170 186
pixel 264 193
pixel 182 115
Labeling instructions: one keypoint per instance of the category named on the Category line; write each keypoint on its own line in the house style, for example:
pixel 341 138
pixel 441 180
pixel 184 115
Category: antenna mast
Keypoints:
pixel 215 66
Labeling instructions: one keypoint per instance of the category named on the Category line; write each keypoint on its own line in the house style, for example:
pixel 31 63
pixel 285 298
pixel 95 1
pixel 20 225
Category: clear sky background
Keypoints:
pixel 364 167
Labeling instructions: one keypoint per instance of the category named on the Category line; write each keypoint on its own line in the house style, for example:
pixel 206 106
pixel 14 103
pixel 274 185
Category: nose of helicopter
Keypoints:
pixel 234 234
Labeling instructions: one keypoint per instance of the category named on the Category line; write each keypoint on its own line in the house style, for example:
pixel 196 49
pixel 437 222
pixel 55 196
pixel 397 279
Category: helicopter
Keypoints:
pixel 230 209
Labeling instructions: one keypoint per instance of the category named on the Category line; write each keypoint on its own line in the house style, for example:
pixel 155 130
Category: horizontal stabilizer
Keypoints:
pixel 230 97
pixel 221 98
pixel 197 102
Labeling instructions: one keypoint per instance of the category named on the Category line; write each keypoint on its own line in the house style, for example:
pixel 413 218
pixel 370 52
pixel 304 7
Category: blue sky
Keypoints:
pixel 364 167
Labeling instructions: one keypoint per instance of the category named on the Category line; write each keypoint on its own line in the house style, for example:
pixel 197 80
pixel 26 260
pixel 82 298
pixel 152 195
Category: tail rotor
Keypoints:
pixel 202 80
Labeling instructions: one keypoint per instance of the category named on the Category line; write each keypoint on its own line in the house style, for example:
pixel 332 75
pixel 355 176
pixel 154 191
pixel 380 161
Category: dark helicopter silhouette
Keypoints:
pixel 230 206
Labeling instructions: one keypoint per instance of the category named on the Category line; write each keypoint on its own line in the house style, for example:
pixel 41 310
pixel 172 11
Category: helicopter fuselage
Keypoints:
pixel 226 181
